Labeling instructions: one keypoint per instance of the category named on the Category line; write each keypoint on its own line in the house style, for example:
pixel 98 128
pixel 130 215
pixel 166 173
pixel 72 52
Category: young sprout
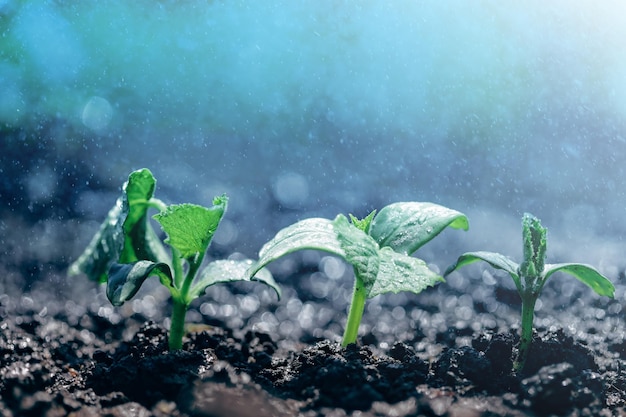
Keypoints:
pixel 531 276
pixel 378 247
pixel 126 250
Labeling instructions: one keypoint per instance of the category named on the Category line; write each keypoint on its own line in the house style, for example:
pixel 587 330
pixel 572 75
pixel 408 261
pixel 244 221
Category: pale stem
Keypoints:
pixel 355 314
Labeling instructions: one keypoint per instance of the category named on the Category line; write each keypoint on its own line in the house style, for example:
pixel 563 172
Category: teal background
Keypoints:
pixel 307 108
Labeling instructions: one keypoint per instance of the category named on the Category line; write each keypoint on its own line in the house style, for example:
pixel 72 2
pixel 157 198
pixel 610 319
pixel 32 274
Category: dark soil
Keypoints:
pixel 62 357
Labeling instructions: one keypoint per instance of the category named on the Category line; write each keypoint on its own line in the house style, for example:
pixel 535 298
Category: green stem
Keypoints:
pixel 181 303
pixel 177 265
pixel 355 314
pixel 157 204
pixel 194 266
pixel 528 312
pixel 177 327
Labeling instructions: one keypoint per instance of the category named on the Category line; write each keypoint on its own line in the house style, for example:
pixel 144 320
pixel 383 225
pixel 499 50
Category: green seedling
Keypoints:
pixel 378 247
pixel 531 276
pixel 126 250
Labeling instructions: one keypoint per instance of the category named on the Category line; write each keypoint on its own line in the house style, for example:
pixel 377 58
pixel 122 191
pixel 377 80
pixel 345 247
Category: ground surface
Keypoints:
pixel 66 351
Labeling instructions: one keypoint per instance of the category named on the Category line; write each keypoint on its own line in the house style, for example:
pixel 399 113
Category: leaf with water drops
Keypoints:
pixel 405 227
pixel 314 233
pixel 190 227
pixel 586 274
pixel 398 272
pixel 141 241
pixel 126 279
pixel 224 271
pixel 125 236
pixel 361 251
pixel 104 248
pixel 496 260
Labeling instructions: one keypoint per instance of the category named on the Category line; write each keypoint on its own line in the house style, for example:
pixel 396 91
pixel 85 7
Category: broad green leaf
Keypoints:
pixel 190 227
pixel 586 274
pixel 405 227
pixel 224 271
pixel 360 250
pixel 126 279
pixel 398 272
pixel 496 260
pixel 314 233
pixel 104 248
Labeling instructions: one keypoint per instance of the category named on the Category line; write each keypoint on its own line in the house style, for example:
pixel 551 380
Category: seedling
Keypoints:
pixel 377 247
pixel 126 250
pixel 531 276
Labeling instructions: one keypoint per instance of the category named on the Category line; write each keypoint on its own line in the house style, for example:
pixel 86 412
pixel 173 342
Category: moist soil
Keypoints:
pixel 70 353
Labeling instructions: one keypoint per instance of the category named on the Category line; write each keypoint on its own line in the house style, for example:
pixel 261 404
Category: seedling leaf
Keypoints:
pixel 139 189
pixel 126 279
pixel 223 271
pixel 363 224
pixel 586 274
pixel 535 243
pixel 104 248
pixel 314 233
pixel 531 276
pixel 405 227
pixel 376 247
pixel 190 227
pixel 496 260
pixel 141 242
pixel 360 250
pixel 398 272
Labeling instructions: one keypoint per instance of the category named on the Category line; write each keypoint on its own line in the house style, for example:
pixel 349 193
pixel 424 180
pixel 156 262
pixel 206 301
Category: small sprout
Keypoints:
pixel 378 247
pixel 531 276
pixel 126 250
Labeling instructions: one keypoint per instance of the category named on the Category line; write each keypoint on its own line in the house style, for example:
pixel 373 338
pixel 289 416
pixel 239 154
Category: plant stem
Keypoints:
pixel 528 312
pixel 177 327
pixel 157 204
pixel 355 314
pixel 177 265
pixel 181 303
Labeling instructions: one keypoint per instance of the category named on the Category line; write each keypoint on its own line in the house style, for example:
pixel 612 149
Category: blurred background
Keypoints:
pixel 298 109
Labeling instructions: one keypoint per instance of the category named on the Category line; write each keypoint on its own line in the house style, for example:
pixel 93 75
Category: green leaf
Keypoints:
pixel 138 190
pixel 141 242
pixel 125 235
pixel 104 248
pixel 535 246
pixel 224 271
pixel 405 227
pixel 496 260
pixel 365 223
pixel 586 274
pixel 136 193
pixel 190 227
pixel 360 250
pixel 126 279
pixel 313 233
pixel 398 272
pixel 220 201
